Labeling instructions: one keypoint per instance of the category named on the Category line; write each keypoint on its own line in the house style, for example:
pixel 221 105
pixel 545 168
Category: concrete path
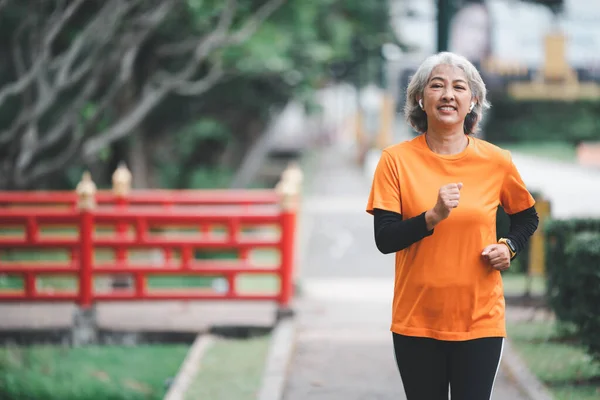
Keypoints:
pixel 573 190
pixel 344 348
pixel 153 316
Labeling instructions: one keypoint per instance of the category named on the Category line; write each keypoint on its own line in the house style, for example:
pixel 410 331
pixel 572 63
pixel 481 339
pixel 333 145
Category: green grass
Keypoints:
pixel 515 284
pixel 561 364
pixel 231 369
pixel 552 150
pixel 91 373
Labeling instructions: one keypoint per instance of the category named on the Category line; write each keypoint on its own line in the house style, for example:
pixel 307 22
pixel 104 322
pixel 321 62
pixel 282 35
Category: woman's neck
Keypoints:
pixel 446 143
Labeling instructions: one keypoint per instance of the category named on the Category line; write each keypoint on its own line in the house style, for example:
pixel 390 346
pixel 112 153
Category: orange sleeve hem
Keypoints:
pixel 388 206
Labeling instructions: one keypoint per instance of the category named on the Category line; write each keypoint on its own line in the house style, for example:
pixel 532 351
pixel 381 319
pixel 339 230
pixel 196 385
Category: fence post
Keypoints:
pixel 293 174
pixel 121 186
pixel 288 189
pixel 84 324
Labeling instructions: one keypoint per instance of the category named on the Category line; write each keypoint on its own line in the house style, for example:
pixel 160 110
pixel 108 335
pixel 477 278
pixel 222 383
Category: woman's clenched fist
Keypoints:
pixel 448 199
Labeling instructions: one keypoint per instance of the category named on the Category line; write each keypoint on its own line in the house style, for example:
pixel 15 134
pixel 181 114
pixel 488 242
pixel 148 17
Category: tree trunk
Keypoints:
pixel 138 155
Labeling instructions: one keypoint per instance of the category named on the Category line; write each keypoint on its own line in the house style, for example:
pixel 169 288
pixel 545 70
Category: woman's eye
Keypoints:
pixel 459 88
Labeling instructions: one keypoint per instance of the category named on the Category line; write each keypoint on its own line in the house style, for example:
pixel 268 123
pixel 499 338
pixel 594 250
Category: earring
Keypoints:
pixel 472 106
pixel 421 103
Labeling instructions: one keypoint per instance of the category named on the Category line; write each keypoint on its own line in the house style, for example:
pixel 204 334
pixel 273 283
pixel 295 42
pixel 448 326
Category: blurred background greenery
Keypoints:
pixel 180 90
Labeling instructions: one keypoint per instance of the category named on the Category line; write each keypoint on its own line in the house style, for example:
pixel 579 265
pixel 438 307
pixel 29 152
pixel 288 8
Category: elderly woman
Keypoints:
pixel 434 199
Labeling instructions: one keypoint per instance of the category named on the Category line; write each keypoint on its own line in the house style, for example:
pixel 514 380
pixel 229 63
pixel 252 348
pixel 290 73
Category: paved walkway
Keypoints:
pixel 573 190
pixel 344 349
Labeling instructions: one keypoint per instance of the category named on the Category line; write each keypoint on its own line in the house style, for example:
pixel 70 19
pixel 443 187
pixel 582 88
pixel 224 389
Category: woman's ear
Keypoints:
pixel 421 104
pixel 474 102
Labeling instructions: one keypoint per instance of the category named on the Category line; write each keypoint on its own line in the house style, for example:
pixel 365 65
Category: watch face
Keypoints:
pixel 510 244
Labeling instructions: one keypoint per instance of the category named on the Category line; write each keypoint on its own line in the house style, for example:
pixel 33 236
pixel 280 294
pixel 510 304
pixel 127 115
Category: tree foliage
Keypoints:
pixel 78 77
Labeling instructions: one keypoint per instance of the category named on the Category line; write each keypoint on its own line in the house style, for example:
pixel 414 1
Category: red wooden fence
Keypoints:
pixel 138 221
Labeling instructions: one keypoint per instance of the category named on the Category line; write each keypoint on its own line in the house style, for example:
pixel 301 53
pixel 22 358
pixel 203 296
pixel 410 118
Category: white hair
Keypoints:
pixel 413 113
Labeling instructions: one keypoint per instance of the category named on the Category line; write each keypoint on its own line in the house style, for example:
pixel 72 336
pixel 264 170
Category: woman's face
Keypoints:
pixel 447 97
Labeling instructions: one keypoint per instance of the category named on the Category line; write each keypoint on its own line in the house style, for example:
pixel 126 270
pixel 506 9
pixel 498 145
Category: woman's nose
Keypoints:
pixel 448 94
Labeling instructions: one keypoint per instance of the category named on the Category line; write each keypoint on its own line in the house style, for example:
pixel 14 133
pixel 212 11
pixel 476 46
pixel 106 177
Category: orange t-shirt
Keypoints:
pixel 444 289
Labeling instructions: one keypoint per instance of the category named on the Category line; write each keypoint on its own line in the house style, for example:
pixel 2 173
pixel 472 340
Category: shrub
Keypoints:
pixel 583 264
pixel 532 121
pixel 573 277
pixel 561 284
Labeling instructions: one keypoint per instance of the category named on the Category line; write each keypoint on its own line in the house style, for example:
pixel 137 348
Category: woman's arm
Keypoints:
pixel 522 225
pixel 393 234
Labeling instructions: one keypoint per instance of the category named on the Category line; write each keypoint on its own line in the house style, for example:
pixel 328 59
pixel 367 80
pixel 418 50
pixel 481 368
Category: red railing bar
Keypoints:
pixel 180 295
pixel 202 196
pixel 179 242
pixel 30 284
pixel 288 222
pixel 223 264
pixel 62 244
pixel 140 284
pixel 19 296
pixel 127 269
pixel 26 212
pixel 185 217
pixel 38 196
pixel 22 269
pixel 86 260
pixel 151 216
pixel 186 257
pixel 31 231
pixel 138 211
pixel 58 219
pixel 148 271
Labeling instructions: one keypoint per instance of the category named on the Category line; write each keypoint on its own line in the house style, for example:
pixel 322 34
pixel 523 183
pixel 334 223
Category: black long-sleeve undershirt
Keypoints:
pixel 392 233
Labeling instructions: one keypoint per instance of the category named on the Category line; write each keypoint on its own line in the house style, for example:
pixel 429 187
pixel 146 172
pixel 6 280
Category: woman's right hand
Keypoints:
pixel 448 199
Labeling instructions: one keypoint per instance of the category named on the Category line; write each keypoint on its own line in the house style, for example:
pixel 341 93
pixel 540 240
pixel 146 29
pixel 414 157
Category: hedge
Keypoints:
pixel 573 276
pixel 531 121
pixel 583 254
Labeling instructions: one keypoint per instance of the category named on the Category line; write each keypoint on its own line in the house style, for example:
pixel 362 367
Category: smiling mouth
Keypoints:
pixel 447 108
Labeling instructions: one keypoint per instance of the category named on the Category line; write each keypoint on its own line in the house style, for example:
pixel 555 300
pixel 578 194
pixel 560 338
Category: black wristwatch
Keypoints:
pixel 510 245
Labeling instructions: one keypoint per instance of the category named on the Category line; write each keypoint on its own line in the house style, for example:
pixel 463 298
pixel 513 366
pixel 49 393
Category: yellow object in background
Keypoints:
pixel 537 253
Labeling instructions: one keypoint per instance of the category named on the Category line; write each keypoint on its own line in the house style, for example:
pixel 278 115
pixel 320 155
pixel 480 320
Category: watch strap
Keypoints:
pixel 506 242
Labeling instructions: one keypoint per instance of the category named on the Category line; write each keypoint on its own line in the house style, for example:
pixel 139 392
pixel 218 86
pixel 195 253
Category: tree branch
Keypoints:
pixel 154 94
pixel 55 164
pixel 17 51
pixel 217 37
pixel 26 77
pixel 109 44
pixel 56 26
pixel 152 22
pixel 254 22
pixel 178 48
pixel 3 3
pixel 201 86
pixel 61 128
pixel 8 135
pixel 101 29
pixel 151 98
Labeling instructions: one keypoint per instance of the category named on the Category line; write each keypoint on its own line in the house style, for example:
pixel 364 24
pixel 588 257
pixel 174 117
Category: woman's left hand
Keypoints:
pixel 498 256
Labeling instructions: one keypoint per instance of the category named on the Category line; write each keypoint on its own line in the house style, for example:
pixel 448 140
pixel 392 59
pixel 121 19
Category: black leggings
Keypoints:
pixel 428 366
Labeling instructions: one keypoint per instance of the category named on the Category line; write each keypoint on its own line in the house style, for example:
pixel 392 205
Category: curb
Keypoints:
pixel 189 368
pixel 520 374
pixel 278 360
